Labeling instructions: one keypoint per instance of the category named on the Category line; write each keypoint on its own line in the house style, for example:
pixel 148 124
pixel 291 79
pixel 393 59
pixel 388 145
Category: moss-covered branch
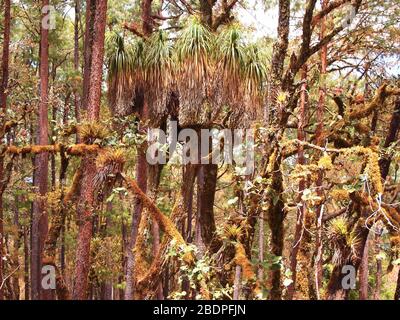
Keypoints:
pixel 73 150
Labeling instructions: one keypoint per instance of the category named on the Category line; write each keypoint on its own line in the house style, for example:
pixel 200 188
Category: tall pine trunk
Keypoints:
pixel 141 167
pixel 86 210
pixel 39 211
pixel 88 52
pixel 76 56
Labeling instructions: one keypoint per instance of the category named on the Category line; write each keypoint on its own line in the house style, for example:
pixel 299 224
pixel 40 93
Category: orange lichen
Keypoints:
pixel 165 223
pixel 76 149
pixel 110 156
pixel 372 170
pixel 395 241
pixel 339 194
pixel 242 260
pixel 381 94
pixel 139 251
pixel 92 130
pixel 74 186
pixel 148 278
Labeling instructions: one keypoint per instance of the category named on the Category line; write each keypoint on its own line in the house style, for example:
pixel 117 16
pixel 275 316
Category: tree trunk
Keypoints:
pixel 87 203
pixel 385 163
pixel 261 248
pixel 1 234
pixel 141 177
pixel 88 51
pixel 277 61
pixel 236 285
pixel 40 219
pixel 147 21
pixel 394 127
pixel 276 217
pixel 76 57
pixel 364 273
pixel 397 292
pixel 26 264
pixel 316 284
pixel 378 275
pixel 206 7
pixel 275 212
pixel 187 189
pixel 141 167
pixel 17 243
pixel 3 107
pixel 207 181
pixel 6 54
pixel 299 229
pixel 154 175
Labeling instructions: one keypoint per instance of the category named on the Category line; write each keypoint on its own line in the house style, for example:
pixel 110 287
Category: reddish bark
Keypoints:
pixel 40 218
pixel 1 232
pixel 379 269
pixel 87 203
pixel 6 54
pixel 322 88
pixel 141 167
pixel 363 277
pixel 76 56
pixel 88 43
pixel 147 21
pixel 3 106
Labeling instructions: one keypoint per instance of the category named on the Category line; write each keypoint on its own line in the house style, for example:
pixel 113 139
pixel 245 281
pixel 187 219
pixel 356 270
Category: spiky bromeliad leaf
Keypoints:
pixel 124 76
pixel 254 72
pixel 109 164
pixel 342 241
pixel 244 73
pixel 194 59
pixel 158 71
pixel 195 45
pixel 230 56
